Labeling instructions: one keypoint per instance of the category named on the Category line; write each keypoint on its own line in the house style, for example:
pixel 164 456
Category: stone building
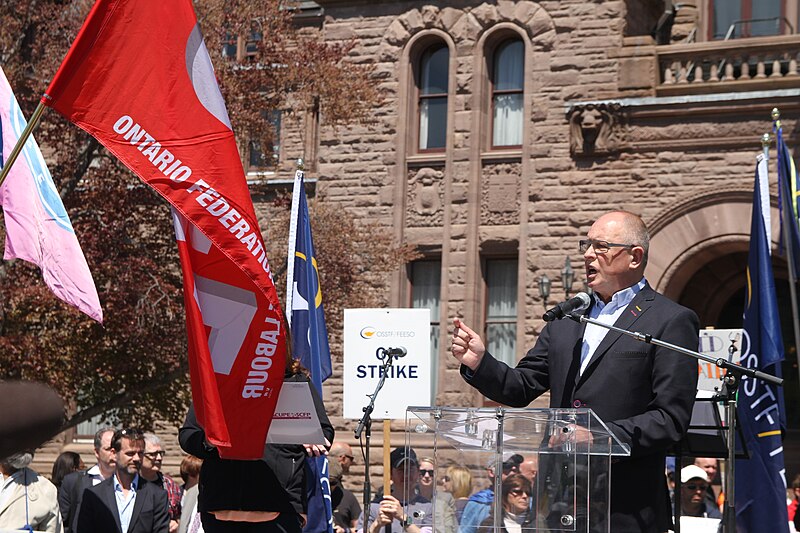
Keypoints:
pixel 509 126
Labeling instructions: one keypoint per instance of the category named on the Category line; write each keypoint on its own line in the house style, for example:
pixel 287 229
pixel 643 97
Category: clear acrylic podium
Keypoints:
pixel 569 480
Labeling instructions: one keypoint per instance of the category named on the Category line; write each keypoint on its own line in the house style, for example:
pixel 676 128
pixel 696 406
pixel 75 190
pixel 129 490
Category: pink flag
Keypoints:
pixel 37 225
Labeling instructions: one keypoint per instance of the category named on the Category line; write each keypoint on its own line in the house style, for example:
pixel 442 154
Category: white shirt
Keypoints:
pixel 125 505
pixel 195 525
pixel 607 314
pixel 512 522
pixel 94 473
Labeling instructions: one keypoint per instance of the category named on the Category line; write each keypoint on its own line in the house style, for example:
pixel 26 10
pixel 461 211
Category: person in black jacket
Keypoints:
pixel 70 493
pixel 643 392
pixel 125 502
pixel 264 495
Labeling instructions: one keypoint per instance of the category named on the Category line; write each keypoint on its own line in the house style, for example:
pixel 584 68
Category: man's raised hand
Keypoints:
pixel 467 345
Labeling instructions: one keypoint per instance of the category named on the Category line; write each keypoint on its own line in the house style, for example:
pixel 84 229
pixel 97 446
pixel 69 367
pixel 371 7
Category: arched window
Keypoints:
pixel 432 83
pixel 508 67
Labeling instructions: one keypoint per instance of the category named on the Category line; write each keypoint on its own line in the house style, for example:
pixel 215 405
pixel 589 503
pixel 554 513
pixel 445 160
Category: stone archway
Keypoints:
pixel 698 258
pixel 466 25
pixel 699 251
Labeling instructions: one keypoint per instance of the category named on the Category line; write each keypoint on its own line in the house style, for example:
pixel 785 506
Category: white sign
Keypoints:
pixel 695 524
pixel 717 343
pixel 368 336
pixel 295 420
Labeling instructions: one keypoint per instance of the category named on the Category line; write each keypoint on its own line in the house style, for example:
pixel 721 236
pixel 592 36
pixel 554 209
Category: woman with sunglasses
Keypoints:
pixel 444 507
pixel 516 505
pixel 458 482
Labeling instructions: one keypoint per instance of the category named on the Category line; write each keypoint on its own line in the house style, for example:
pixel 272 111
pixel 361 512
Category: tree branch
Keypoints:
pixel 125 397
pixel 85 159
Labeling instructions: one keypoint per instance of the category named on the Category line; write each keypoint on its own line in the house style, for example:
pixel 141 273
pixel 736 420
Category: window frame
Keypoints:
pixel 746 14
pixel 435 318
pixel 418 96
pixel 230 41
pixel 275 117
pixel 485 265
pixel 251 39
pixel 491 56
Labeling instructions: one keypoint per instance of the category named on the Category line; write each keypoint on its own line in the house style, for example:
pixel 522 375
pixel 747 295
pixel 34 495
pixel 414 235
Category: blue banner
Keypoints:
pixel 320 510
pixel 761 480
pixel 310 345
pixel 787 192
pixel 309 333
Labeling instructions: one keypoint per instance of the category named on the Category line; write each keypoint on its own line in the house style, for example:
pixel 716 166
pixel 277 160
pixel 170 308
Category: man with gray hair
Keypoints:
pixel 643 392
pixel 151 471
pixel 27 500
pixel 71 490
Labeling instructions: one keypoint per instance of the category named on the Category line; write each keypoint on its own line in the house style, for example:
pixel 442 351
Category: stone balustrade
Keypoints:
pixel 760 63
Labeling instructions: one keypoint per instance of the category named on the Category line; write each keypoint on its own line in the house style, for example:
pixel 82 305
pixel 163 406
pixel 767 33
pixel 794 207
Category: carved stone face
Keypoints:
pixel 591 119
pixel 592 129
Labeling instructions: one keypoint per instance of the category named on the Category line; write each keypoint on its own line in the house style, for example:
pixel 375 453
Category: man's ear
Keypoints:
pixel 637 257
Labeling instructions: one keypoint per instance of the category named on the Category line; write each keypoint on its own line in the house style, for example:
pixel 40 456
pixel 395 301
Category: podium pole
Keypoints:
pixel 366 423
pixel 729 390
pixel 733 377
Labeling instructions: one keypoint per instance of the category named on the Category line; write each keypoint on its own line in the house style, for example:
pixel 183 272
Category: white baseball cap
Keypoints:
pixel 691 472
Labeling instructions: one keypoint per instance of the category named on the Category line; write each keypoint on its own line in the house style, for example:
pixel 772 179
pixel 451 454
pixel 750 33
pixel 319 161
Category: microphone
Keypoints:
pixel 397 352
pixel 577 303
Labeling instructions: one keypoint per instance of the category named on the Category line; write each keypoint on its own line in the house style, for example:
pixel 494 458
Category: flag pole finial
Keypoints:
pixel 301 165
pixel 766 140
pixel 776 117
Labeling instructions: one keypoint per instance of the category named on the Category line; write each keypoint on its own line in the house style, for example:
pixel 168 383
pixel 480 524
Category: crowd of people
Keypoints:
pixel 125 490
pixel 579 362
pixel 99 498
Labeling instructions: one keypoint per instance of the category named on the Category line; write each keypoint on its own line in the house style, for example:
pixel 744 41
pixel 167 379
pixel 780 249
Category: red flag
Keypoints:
pixel 139 79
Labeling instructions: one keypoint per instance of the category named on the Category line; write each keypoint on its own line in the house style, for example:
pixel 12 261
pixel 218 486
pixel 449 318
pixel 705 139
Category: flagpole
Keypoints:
pixel 298 183
pixel 787 211
pixel 32 124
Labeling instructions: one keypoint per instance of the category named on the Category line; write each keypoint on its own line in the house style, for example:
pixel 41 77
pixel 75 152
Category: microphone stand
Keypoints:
pixel 366 423
pixel 731 381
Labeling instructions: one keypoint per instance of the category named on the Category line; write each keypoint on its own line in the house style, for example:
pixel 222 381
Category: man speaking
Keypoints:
pixel 643 392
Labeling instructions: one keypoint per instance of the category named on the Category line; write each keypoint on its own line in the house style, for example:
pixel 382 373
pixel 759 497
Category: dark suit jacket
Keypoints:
pixel 644 393
pixel 70 494
pixel 98 512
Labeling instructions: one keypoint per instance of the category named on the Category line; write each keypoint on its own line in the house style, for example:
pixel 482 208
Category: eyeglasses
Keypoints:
pixel 518 492
pixel 349 457
pixel 425 472
pixel 693 487
pixel 600 247
pixel 153 455
pixel 446 478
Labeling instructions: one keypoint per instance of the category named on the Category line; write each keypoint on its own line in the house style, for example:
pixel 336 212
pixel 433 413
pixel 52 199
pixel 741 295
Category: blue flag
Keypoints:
pixel 310 345
pixel 309 333
pixel 789 202
pixel 761 480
